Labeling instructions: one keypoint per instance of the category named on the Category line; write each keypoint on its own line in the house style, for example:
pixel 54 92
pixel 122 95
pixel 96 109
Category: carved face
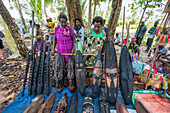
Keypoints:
pixel 111 85
pixel 71 76
pixel 88 104
pixel 104 107
pixel 62 104
pixel 59 64
pixel 97 72
pixel 81 81
pixel 96 79
pixel 80 73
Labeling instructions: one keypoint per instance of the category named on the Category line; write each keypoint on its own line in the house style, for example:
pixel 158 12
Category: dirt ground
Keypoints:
pixel 12 72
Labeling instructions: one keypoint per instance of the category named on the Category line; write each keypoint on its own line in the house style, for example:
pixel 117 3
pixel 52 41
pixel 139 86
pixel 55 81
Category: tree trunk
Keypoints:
pixel 78 10
pixel 20 13
pixel 71 12
pixel 89 16
pixel 14 30
pixel 95 4
pixel 45 11
pixel 8 38
pixel 114 15
pixel 74 11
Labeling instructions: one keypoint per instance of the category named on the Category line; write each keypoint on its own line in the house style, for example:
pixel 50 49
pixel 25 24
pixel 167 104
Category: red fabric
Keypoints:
pixel 153 103
pixel 125 41
pixel 154 66
pixel 133 39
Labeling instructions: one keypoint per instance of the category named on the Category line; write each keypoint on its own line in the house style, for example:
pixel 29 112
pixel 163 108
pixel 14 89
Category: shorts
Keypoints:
pixel 138 41
pixel 51 37
pixel 149 42
pixel 1 44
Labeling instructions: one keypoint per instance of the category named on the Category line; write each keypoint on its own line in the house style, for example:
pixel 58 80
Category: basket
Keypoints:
pixel 156 80
pixel 162 40
pixel 144 76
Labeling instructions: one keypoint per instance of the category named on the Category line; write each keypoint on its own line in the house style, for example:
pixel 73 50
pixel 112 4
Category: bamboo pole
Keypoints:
pixel 123 26
pixel 128 33
pixel 82 54
pixel 141 18
pixel 149 74
pixel 32 36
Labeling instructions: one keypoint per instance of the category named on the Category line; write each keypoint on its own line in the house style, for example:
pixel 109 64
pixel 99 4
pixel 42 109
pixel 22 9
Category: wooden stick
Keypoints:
pixel 149 74
pixel 123 26
pixel 141 19
pixel 82 54
pixel 32 37
pixel 163 20
pixel 128 33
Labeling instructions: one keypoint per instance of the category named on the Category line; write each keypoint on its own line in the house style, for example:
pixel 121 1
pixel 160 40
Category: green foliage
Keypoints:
pixel 141 4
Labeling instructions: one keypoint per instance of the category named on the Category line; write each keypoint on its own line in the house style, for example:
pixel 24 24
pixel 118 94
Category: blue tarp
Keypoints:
pixel 21 103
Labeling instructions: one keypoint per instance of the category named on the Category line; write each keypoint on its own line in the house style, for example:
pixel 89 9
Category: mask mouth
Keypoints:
pixel 95 95
pixel 71 87
pixel 81 91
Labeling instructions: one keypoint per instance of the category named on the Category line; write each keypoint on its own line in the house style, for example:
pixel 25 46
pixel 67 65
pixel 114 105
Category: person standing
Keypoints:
pixel 1 45
pixel 95 41
pixel 30 30
pixel 39 36
pixel 79 34
pixel 141 32
pixel 51 30
pixel 151 32
pixel 64 37
pixel 22 29
pixel 104 27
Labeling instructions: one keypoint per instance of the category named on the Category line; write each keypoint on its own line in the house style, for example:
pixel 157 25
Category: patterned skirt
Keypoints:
pixel 92 46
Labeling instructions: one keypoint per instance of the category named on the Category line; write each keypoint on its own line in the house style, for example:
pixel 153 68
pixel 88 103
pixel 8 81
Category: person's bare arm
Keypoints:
pixel 54 44
pixel 150 31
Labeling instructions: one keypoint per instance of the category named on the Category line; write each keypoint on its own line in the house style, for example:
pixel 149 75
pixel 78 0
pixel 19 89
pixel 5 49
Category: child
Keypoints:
pixel 117 39
pixel 79 34
pixel 47 42
pixel 51 30
pixel 166 74
pixel 39 36
pixel 133 47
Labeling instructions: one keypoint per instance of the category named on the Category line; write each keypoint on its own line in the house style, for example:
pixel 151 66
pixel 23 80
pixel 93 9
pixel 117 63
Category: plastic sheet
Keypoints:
pixel 21 103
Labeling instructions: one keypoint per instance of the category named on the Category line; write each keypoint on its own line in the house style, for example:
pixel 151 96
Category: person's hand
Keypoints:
pixel 72 51
pixel 141 37
pixel 52 54
pixel 149 54
pixel 163 56
pixel 75 35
